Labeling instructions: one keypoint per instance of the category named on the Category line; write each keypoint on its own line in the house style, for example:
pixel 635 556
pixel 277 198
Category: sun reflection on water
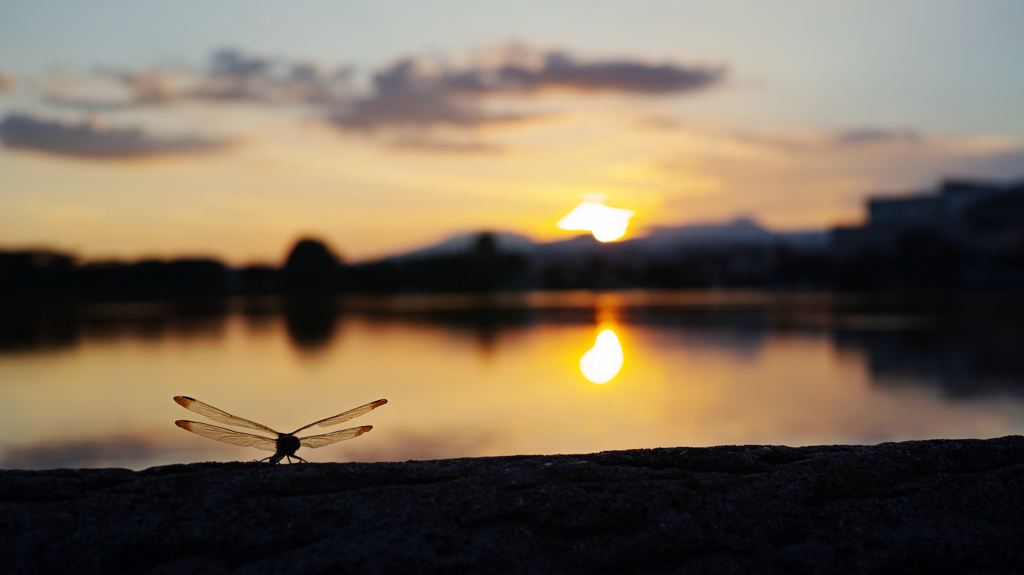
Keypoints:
pixel 602 362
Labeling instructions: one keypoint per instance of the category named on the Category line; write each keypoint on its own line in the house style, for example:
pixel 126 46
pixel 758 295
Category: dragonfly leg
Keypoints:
pixel 300 459
pixel 274 459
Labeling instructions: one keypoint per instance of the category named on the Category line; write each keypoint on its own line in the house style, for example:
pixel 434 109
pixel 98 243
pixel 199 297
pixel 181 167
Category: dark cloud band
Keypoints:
pixel 411 92
pixel 88 140
pixel 411 95
pixel 877 135
pixel 559 70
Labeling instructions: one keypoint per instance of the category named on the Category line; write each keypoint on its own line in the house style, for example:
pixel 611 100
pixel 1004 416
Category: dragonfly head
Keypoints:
pixel 288 444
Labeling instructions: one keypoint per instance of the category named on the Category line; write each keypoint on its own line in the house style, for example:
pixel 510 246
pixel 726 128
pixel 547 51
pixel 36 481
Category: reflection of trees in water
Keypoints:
pixel 969 347
pixel 741 331
pixel 484 326
pixel 311 320
pixel 31 327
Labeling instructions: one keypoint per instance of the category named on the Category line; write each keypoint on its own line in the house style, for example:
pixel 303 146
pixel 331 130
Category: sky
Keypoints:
pixel 231 129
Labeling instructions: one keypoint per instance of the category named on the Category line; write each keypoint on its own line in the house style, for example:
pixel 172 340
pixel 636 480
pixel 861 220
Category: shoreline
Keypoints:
pixel 919 506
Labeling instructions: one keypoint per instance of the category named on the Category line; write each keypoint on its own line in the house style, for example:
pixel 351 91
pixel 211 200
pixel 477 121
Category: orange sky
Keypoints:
pixel 121 140
pixel 367 198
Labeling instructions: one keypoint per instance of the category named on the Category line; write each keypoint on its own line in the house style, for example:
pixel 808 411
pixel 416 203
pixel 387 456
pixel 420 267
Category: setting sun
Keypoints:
pixel 606 223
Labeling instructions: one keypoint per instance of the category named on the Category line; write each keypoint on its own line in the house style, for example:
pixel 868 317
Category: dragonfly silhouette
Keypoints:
pixel 284 445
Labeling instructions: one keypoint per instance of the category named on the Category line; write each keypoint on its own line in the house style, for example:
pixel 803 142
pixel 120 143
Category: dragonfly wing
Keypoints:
pixel 343 417
pixel 228 435
pixel 220 416
pixel 314 441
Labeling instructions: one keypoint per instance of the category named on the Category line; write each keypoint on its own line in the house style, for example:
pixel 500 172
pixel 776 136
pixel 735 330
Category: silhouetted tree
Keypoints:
pixel 311 266
pixel 486 245
pixel 35 269
pixel 260 279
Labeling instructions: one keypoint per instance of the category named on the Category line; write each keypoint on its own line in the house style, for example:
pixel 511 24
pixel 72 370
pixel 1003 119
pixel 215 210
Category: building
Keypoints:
pixel 943 213
pixel 965 233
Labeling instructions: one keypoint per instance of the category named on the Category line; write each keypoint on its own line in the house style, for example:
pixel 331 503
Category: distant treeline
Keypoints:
pixel 913 258
pixel 311 267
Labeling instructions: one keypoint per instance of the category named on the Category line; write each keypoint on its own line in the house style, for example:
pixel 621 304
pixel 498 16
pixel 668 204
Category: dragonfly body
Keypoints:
pixel 284 445
pixel 287 445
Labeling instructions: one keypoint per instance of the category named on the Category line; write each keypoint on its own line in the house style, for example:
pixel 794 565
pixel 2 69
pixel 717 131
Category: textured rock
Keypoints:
pixel 915 507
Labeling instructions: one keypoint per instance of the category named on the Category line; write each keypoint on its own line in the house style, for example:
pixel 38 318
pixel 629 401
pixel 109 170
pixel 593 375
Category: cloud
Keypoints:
pixel 87 139
pixel 233 75
pixel 877 135
pixel 559 70
pixel 850 140
pixel 230 76
pixel 7 82
pixel 813 178
pixel 412 92
pixel 407 94
pixel 412 95
pixel 443 143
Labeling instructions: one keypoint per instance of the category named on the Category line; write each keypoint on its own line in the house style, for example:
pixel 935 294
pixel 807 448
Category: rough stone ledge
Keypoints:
pixel 941 506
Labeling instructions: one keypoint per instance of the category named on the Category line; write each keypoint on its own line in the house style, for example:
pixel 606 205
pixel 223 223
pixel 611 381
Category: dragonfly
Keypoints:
pixel 284 445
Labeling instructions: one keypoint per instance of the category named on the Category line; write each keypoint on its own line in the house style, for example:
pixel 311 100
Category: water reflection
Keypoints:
pixel 311 321
pixel 961 364
pixel 602 362
pixel 497 375
pixel 113 451
pixel 34 327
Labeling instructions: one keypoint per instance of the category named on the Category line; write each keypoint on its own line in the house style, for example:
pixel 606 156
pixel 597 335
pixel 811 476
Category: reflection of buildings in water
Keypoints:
pixel 961 364
pixel 601 363
pixel 485 325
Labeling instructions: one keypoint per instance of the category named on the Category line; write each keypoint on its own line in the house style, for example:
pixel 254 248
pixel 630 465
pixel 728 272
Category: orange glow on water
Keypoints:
pixel 461 390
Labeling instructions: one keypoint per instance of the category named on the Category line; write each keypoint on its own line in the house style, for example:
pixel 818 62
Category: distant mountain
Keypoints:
pixel 740 232
pixel 462 244
pixel 809 241
pixel 661 242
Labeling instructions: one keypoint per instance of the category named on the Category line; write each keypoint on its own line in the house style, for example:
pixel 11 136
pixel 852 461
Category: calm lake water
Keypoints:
pixel 536 373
